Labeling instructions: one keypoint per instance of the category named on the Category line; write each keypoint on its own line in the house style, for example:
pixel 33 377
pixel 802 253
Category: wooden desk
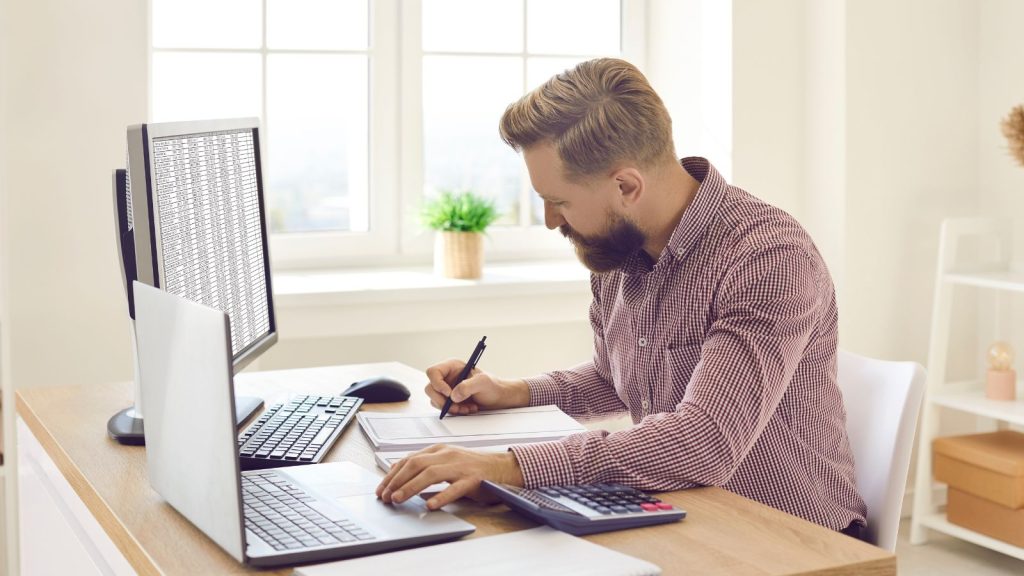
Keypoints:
pixel 722 534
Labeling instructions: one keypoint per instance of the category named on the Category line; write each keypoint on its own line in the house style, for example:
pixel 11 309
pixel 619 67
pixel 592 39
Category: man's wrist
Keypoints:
pixel 518 393
pixel 511 473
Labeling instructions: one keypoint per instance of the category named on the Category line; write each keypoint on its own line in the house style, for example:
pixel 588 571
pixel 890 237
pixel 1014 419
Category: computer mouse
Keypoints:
pixel 378 389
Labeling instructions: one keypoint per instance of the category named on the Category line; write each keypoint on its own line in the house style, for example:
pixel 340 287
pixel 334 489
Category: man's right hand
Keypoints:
pixel 479 391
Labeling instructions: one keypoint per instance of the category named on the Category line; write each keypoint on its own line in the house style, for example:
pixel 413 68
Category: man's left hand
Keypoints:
pixel 463 469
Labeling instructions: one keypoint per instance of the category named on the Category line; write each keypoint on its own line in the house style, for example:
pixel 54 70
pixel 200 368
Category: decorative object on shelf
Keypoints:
pixel 1013 129
pixel 1001 383
pixel 460 220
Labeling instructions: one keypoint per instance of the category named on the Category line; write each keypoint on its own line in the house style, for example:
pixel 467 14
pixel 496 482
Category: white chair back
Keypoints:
pixel 882 401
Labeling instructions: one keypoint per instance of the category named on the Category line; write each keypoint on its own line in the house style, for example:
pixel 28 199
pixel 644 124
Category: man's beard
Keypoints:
pixel 610 250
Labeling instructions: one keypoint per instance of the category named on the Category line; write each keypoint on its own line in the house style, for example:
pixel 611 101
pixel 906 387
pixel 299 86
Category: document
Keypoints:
pixel 389 432
pixel 542 550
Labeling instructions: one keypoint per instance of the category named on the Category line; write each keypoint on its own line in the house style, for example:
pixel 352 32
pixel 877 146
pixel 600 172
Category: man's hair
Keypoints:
pixel 598 114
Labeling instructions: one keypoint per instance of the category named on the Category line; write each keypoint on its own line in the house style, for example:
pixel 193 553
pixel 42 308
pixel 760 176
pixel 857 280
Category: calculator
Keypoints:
pixel 587 508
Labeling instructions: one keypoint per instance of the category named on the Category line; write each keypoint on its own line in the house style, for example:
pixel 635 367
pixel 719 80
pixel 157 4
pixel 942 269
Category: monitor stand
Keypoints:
pixel 126 428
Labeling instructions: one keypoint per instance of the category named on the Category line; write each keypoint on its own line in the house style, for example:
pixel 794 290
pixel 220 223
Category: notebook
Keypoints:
pixel 389 432
pixel 540 550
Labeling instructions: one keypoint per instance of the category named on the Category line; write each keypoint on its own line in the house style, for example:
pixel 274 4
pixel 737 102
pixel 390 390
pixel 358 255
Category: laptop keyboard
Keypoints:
pixel 287 518
pixel 299 432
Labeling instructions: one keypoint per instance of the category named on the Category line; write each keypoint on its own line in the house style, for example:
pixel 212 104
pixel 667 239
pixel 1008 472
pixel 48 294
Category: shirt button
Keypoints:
pixel 642 341
pixel 645 405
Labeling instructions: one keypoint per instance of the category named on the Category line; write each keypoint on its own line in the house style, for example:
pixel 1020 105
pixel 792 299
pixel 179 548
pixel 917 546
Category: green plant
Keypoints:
pixel 458 212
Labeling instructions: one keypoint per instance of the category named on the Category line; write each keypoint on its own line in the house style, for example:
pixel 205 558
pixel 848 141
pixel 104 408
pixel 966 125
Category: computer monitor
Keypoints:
pixel 199 222
pixel 191 221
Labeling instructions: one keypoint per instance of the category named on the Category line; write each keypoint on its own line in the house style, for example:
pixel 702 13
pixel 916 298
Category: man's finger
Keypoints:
pixel 391 474
pixel 453 492
pixel 427 477
pixel 436 398
pixel 415 464
pixel 468 387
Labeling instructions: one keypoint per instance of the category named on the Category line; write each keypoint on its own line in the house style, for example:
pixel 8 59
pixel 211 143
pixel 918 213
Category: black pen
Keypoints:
pixel 473 359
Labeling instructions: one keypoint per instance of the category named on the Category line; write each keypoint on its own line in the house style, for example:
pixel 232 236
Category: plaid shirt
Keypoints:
pixel 724 353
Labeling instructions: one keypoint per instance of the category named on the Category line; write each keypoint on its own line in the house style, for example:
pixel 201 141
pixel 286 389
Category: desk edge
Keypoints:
pixel 106 518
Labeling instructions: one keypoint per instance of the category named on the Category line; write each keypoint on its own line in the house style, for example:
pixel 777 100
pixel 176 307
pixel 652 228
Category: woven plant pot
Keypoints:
pixel 459 254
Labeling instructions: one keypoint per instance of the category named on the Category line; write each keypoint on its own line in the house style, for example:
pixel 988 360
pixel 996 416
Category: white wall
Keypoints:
pixel 911 161
pixel 77 77
pixel 768 101
pixel 1001 178
pixel 859 119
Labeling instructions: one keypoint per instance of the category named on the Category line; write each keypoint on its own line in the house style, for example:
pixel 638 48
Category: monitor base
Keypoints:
pixel 127 429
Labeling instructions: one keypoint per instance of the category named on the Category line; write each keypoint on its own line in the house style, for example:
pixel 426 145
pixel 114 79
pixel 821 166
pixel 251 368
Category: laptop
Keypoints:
pixel 272 517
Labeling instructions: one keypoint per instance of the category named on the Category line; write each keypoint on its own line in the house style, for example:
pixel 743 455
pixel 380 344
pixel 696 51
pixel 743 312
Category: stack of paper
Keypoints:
pixel 389 432
pixel 541 550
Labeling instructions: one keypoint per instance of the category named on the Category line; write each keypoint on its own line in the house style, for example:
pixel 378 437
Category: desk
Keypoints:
pixel 722 534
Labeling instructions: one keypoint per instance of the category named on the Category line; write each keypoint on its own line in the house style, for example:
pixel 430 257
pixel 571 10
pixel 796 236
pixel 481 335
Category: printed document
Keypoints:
pixel 389 432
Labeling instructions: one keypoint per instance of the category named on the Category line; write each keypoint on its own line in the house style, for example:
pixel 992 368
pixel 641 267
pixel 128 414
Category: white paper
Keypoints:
pixel 542 550
pixel 398 432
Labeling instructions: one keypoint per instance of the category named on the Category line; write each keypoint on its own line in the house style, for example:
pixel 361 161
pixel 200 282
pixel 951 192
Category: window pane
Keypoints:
pixel 463 99
pixel 318 24
pixel 207 23
pixel 573 26
pixel 196 86
pixel 473 26
pixel 318 128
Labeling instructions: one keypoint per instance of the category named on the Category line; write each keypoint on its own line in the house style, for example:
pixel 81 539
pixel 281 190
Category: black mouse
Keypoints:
pixel 378 389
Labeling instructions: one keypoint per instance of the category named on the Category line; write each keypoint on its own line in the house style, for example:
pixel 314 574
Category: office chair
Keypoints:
pixel 882 401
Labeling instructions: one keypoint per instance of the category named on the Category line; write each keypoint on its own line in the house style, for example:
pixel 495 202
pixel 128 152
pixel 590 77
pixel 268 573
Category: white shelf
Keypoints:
pixel 1011 281
pixel 970 397
pixel 939 523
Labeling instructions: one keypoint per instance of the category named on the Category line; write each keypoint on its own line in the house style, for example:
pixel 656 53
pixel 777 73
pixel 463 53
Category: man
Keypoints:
pixel 714 322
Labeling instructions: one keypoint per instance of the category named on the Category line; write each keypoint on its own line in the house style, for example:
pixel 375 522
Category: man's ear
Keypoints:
pixel 630 183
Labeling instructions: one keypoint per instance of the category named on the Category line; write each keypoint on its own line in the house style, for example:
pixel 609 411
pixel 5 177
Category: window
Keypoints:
pixel 367 106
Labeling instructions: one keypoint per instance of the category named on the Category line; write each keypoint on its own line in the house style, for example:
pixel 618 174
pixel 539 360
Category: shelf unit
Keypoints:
pixel 998 274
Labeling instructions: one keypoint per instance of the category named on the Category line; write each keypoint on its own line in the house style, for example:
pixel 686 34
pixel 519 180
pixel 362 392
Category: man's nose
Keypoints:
pixel 552 217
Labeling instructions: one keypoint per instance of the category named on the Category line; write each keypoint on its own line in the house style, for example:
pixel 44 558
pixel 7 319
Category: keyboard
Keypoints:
pixel 587 509
pixel 285 517
pixel 301 431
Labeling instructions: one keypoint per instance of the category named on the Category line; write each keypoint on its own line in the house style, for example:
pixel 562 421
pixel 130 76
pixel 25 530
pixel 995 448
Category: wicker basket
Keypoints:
pixel 459 254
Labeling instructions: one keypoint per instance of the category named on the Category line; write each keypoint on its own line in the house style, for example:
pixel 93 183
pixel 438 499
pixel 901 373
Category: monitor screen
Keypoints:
pixel 200 229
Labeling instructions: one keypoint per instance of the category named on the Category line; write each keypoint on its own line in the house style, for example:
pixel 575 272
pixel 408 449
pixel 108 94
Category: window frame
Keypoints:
pixel 395 236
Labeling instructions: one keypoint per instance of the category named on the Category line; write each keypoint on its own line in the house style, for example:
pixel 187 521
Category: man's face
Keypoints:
pixel 585 213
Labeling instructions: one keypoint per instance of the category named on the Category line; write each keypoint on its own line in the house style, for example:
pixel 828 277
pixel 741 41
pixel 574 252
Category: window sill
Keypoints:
pixel 326 303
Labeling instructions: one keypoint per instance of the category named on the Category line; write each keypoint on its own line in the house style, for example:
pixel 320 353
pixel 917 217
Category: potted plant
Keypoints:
pixel 460 219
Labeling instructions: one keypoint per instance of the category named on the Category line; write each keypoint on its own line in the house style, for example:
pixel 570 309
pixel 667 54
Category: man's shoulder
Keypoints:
pixel 749 225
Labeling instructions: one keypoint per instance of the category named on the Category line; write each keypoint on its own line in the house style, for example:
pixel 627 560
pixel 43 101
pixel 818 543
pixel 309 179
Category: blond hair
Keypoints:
pixel 597 115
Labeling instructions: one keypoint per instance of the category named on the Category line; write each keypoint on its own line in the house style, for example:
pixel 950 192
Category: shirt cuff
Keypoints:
pixel 544 464
pixel 544 390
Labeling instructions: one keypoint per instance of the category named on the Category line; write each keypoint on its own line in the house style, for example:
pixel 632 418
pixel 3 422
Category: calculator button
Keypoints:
pixel 664 506
pixel 603 509
pixel 649 507
pixel 634 508
pixel 619 509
